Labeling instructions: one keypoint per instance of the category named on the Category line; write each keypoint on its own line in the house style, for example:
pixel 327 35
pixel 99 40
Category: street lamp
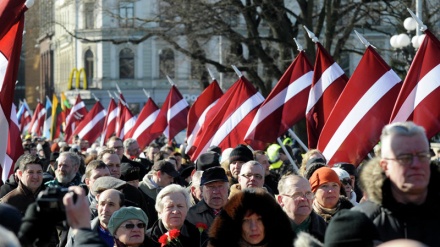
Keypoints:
pixel 401 42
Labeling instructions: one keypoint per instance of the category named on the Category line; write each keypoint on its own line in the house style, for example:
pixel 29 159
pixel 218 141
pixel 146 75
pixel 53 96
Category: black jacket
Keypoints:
pixel 396 220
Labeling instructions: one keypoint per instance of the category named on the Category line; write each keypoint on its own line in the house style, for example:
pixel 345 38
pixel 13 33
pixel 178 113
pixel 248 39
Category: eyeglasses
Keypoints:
pixel 308 195
pixel 346 181
pixel 408 159
pixel 130 226
pixel 118 148
pixel 249 175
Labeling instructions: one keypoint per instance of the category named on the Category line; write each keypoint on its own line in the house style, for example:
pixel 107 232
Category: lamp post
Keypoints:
pixel 401 42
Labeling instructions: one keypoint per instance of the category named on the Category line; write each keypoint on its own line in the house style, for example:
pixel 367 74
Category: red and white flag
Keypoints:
pixel 363 109
pixel 418 100
pixel 120 115
pixel 172 116
pixel 110 122
pixel 24 118
pixel 285 105
pixel 197 113
pixel 77 113
pixel 144 122
pixel 128 121
pixel 11 35
pixel 91 126
pixel 328 82
pixel 37 122
pixel 227 122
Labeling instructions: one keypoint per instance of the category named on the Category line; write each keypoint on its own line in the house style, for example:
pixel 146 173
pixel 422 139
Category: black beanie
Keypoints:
pixel 350 228
pixel 241 153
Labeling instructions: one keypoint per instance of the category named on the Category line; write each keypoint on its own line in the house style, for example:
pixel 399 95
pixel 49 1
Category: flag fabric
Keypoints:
pixel 227 122
pixel 65 109
pixel 11 35
pixel 285 105
pixel 418 98
pixel 197 112
pixel 24 117
pixel 48 119
pixel 328 82
pixel 120 115
pixel 363 109
pixel 37 122
pixel 172 116
pixel 77 113
pixel 109 122
pixel 57 119
pixel 144 122
pixel 128 121
pixel 91 126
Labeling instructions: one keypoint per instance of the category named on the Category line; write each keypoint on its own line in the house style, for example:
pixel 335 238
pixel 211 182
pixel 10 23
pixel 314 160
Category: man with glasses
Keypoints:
pixel 409 199
pixel 296 199
pixel 131 155
pixel 251 176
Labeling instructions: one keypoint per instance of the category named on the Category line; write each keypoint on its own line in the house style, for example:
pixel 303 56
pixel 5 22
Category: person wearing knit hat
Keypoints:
pixel 326 186
pixel 128 225
pixel 346 184
pixel 350 228
pixel 238 156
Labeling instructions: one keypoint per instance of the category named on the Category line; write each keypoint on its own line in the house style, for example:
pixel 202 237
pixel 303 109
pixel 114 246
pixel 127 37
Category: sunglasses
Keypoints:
pixel 131 225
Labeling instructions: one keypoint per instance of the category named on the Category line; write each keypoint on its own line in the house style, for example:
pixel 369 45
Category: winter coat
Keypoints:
pixel 148 187
pixel 189 235
pixel 20 197
pixel 317 226
pixel 200 213
pixel 395 220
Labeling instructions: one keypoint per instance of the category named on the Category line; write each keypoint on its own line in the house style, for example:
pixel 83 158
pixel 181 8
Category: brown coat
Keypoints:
pixel 20 197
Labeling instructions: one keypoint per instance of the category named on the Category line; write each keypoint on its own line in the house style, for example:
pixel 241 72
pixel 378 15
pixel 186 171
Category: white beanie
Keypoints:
pixel 341 173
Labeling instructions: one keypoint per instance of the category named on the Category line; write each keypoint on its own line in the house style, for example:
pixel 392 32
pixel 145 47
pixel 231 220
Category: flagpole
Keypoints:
pixel 117 87
pixel 110 95
pixel 294 165
pixel 294 136
pixel 146 93
pixel 170 81
pixel 238 72
pixel 96 98
pixel 211 74
pixel 311 35
pixel 300 48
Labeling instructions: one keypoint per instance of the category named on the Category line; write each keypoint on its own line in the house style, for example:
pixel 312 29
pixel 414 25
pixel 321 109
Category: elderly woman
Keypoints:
pixel 127 225
pixel 172 204
pixel 251 218
pixel 327 189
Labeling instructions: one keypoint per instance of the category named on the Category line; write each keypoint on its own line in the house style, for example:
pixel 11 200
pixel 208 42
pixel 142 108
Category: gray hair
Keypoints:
pixel 251 163
pixel 76 160
pixel 128 142
pixel 172 188
pixel 402 129
pixel 283 186
pixel 195 179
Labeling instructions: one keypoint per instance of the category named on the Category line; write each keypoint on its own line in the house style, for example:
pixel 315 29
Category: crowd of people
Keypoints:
pixel 120 195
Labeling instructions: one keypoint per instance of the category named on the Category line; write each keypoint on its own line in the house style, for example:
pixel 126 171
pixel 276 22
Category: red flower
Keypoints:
pixel 163 240
pixel 174 233
pixel 201 226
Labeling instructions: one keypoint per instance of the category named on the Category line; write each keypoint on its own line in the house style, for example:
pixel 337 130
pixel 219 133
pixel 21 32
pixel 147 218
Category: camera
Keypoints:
pixel 50 200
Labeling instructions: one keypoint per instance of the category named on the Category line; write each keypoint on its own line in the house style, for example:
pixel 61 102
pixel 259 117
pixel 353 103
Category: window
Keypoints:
pixel 166 63
pixel 89 17
pixel 126 14
pixel 126 64
pixel 88 66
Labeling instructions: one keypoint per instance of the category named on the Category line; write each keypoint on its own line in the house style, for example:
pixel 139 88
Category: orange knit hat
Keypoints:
pixel 321 176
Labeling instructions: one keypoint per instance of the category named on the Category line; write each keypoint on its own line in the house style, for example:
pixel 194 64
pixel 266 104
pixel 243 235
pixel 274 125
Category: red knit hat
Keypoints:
pixel 321 176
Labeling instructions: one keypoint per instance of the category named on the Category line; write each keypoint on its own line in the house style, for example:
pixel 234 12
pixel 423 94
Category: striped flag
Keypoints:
pixel 197 113
pixel 37 122
pixel 11 34
pixel 141 130
pixel 172 116
pixel 109 128
pixel 362 110
pixel 91 126
pixel 418 98
pixel 227 122
pixel 328 82
pixel 57 118
pixel 77 113
pixel 24 117
pixel 285 105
